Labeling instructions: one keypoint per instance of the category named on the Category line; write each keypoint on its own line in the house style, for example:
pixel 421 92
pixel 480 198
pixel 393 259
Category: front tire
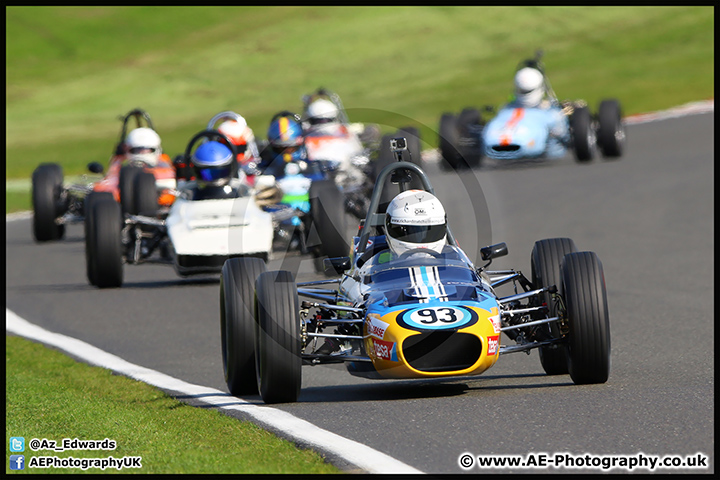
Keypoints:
pixel 583 133
pixel 89 226
pixel 611 133
pixel 237 323
pixel 587 313
pixel 278 348
pixel 546 261
pixel 47 181
pixel 104 244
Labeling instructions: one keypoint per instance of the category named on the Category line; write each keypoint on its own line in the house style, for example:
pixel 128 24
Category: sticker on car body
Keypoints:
pixel 385 350
pixel 437 317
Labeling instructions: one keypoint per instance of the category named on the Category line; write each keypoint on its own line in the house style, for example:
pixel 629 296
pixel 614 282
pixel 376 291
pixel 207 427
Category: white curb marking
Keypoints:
pixel 364 457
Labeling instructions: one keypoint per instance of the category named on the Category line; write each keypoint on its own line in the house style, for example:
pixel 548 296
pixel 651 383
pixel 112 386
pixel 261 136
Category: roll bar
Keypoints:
pixel 374 219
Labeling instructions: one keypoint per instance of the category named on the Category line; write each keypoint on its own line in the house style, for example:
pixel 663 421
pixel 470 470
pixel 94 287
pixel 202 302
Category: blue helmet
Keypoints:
pixel 285 133
pixel 213 162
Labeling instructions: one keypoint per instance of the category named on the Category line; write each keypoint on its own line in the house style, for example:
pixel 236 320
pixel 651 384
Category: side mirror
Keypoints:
pixel 336 265
pixel 95 167
pixel 494 251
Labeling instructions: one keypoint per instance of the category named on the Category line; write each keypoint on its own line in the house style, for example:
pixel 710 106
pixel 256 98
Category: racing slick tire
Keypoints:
pixel 237 323
pixel 583 134
pixel 145 201
pixel 469 144
pixel 587 312
pixel 88 226
pixel 277 349
pixel 329 224
pixel 104 244
pixel 546 259
pixel 126 183
pixel 448 142
pixel 611 132
pixel 47 184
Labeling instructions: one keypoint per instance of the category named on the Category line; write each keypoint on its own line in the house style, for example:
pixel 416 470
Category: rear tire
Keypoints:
pixel 277 352
pixel 105 244
pixel 546 260
pixel 587 312
pixel 145 194
pixel 327 208
pixel 47 184
pixel 126 183
pixel 449 142
pixel 583 133
pixel 469 144
pixel 88 226
pixel 237 323
pixel 611 132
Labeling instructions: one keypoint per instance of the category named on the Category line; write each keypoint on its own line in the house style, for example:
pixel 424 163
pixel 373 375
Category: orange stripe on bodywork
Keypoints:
pixel 517 115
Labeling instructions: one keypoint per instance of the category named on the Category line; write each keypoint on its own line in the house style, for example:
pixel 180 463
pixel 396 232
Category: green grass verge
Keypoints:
pixel 49 395
pixel 72 70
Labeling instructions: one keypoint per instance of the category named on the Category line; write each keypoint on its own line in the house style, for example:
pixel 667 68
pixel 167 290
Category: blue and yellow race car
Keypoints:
pixel 422 314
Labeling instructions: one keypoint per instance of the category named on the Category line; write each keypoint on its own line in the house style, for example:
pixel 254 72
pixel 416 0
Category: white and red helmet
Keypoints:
pixel 529 87
pixel 415 219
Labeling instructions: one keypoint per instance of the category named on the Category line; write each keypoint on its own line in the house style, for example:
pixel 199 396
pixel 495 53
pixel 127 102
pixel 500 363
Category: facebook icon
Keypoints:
pixel 17 462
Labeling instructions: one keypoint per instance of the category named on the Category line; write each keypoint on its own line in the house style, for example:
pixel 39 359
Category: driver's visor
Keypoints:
pixel 416 233
pixel 137 150
pixel 214 173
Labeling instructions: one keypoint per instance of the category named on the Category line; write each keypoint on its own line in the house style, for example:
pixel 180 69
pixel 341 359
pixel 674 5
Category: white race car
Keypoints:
pixel 196 234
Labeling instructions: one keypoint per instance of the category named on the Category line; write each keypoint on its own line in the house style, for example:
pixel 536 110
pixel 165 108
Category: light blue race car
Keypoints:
pixel 546 128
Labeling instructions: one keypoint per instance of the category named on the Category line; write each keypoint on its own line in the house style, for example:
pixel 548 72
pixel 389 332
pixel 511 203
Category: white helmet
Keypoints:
pixel 143 145
pixel 529 87
pixel 415 219
pixel 321 111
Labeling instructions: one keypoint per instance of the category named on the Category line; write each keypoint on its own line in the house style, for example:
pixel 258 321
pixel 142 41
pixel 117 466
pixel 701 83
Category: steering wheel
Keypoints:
pixel 426 251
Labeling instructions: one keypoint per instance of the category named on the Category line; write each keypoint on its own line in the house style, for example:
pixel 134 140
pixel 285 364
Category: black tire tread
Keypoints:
pixel 610 119
pixel 47 181
pixel 278 360
pixel 106 243
pixel 587 310
pixel 237 323
pixel 546 260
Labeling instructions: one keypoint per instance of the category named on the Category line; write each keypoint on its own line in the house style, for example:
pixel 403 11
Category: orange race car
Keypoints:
pixel 136 160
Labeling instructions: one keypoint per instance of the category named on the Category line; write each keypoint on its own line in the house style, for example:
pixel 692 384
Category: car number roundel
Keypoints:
pixel 437 318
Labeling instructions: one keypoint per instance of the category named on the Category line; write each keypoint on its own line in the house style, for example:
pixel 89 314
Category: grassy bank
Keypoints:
pixel 49 395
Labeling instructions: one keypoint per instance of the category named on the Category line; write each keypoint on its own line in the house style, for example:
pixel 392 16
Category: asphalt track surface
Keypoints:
pixel 649 216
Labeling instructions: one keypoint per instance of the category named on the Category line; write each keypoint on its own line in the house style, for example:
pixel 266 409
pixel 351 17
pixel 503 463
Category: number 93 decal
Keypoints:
pixel 437 318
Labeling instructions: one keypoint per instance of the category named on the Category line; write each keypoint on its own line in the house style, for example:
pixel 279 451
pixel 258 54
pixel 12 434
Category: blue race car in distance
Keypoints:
pixel 422 314
pixel 544 128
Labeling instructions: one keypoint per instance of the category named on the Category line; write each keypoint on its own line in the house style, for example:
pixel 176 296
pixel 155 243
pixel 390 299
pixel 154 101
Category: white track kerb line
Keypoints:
pixel 304 432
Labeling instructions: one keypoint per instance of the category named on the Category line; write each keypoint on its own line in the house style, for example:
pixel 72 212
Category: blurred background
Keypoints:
pixel 71 71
